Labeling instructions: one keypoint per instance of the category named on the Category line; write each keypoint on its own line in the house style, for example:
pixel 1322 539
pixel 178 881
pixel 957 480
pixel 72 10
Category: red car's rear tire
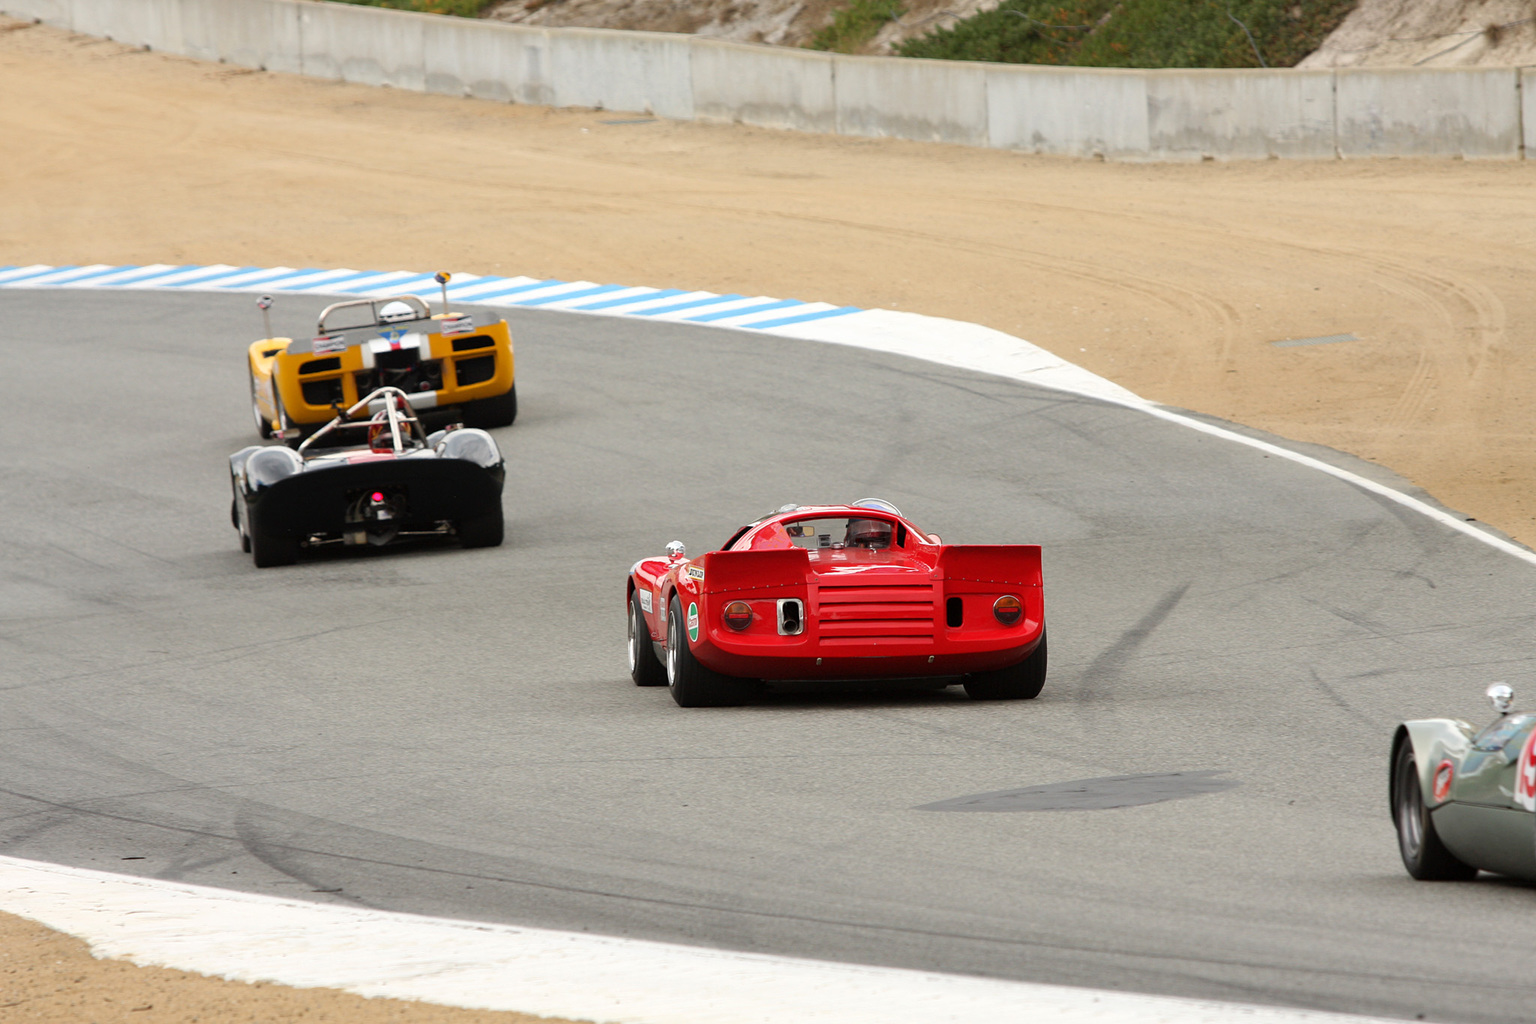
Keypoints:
pixel 1424 855
pixel 1023 681
pixel 644 667
pixel 692 684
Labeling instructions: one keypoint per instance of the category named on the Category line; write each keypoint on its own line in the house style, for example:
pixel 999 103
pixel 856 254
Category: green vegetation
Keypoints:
pixel 856 24
pixel 461 8
pixel 1138 33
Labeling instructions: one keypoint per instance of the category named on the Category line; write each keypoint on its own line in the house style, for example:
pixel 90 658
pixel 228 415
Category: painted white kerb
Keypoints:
pixel 558 974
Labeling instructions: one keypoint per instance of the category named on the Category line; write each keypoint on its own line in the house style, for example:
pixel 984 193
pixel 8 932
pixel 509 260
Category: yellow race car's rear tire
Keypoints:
pixel 500 411
pixel 263 425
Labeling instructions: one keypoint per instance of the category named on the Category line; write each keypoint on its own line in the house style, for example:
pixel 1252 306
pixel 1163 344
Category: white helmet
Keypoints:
pixel 394 312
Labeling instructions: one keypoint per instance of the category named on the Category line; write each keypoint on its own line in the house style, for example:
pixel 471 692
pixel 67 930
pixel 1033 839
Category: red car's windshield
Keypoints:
pixel 815 533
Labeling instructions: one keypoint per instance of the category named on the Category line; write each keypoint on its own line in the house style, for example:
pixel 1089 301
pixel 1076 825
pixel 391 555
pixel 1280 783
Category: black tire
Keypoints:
pixel 485 531
pixel 234 517
pixel 263 425
pixel 1023 681
pixel 693 685
pixel 269 551
pixel 1424 855
pixel 644 667
pixel 500 411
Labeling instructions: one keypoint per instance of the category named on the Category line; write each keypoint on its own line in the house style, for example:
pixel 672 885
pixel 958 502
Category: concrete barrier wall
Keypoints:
pixel 1113 114
pixel 1470 112
pixel 1527 105
pixel 926 100
pixel 641 72
pixel 1253 115
pixel 510 64
pixel 248 33
pixel 764 86
pixel 1072 112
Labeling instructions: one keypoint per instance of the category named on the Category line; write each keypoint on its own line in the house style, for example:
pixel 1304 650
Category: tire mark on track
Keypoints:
pixel 1109 663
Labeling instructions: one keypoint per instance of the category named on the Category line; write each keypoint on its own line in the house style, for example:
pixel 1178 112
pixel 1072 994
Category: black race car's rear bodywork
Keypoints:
pixel 446 485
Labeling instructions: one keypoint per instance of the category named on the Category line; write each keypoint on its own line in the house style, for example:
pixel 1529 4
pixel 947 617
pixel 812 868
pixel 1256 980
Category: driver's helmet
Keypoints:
pixel 867 533
pixel 379 437
pixel 394 312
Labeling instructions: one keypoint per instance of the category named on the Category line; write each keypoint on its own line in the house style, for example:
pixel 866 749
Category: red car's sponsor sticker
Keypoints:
pixel 693 623
pixel 695 572
pixel 1443 775
pixel 1525 774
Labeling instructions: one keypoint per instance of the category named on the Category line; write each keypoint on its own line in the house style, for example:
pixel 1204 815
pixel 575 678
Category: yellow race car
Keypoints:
pixel 448 366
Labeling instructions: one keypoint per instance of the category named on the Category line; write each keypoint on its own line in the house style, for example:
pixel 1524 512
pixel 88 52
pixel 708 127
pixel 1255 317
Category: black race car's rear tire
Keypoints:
pixel 234 517
pixel 644 667
pixel 692 684
pixel 500 411
pixel 485 531
pixel 1023 681
pixel 268 551
pixel 1424 855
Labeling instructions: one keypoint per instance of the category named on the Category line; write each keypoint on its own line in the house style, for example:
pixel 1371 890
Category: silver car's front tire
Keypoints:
pixel 1424 855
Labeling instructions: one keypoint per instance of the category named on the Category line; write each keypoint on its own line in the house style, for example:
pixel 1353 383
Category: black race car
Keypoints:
pixel 371 476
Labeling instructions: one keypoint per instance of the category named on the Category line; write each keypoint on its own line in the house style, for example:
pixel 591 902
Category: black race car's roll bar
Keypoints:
pixel 395 405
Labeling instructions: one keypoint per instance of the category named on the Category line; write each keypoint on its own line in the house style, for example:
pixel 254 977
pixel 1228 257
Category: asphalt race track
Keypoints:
pixel 454 732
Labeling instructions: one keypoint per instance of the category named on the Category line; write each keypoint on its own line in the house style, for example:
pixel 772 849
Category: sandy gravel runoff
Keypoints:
pixel 1174 281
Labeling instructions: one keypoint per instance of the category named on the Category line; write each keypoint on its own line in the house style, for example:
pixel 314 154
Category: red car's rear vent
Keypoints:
pixel 853 615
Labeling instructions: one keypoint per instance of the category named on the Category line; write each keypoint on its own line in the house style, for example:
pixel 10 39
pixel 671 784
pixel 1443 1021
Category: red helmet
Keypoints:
pixel 380 439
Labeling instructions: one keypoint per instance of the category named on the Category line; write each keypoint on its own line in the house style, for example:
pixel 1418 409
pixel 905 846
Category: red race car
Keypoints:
pixel 837 592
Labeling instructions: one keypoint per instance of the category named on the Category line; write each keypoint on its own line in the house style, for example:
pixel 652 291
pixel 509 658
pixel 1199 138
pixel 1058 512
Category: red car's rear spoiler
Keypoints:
pixel 1018 564
pixel 1013 564
pixel 740 570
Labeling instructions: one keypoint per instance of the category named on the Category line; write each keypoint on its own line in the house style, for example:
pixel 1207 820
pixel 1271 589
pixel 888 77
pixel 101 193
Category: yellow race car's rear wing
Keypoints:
pixel 445 362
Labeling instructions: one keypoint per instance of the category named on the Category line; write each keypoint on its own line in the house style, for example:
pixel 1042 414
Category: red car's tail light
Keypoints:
pixel 738 615
pixel 1008 609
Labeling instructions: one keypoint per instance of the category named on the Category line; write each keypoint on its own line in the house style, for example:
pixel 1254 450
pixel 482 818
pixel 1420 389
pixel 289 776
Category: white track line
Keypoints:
pixel 554 974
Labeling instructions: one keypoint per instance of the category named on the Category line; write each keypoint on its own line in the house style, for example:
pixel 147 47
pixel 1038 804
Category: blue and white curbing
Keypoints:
pixel 375 953
pixel 954 343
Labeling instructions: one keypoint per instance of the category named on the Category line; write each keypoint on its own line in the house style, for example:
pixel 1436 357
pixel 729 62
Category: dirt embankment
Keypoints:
pixel 1431 33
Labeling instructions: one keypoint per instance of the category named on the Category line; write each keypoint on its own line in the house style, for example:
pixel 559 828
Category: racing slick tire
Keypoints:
pixel 692 684
pixel 1023 681
pixel 484 531
pixel 1424 855
pixel 644 667
pixel 263 425
pixel 500 411
pixel 234 517
pixel 268 551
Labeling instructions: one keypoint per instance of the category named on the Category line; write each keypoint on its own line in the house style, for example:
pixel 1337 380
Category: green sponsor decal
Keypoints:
pixel 693 623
